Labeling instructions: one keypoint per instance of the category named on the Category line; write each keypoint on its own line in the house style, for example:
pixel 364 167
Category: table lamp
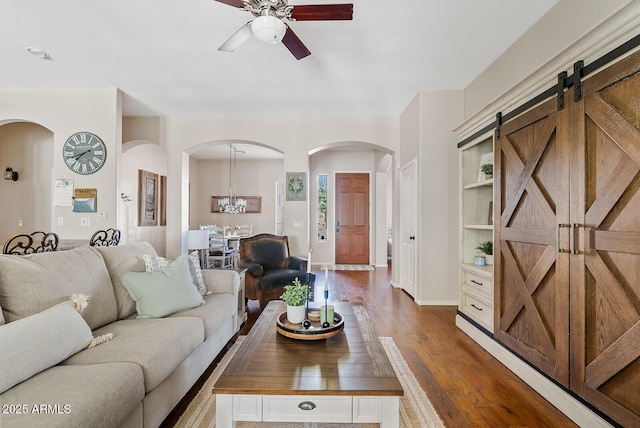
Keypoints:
pixel 198 240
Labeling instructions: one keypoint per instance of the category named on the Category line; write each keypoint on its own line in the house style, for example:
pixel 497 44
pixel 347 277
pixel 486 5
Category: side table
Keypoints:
pixel 242 308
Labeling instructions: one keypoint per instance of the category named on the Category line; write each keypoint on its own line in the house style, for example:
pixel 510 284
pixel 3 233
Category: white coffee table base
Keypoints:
pixel 231 408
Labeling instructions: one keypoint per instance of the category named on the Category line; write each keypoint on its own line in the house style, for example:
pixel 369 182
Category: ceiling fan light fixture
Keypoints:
pixel 269 29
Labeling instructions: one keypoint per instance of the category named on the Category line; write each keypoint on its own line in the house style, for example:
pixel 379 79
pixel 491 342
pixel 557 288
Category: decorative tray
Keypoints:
pixel 314 332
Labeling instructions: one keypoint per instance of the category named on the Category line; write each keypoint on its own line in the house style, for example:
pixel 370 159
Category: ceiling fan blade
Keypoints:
pixel 322 12
pixel 295 45
pixel 238 38
pixel 234 3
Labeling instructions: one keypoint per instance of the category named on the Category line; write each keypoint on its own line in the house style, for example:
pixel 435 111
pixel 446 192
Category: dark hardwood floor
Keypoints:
pixel 467 386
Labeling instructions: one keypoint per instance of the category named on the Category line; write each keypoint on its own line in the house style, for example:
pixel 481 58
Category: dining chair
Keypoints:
pixel 244 230
pixel 105 238
pixel 36 242
pixel 220 254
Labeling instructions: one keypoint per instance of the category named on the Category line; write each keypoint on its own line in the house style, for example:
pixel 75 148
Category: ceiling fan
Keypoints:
pixel 269 27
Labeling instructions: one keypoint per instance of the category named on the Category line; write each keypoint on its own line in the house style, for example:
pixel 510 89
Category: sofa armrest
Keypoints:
pixel 297 263
pixel 222 281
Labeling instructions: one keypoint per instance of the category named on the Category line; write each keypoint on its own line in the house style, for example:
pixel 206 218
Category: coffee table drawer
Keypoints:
pixel 306 408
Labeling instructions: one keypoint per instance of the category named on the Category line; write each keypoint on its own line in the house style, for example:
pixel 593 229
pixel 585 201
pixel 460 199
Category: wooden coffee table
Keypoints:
pixel 346 378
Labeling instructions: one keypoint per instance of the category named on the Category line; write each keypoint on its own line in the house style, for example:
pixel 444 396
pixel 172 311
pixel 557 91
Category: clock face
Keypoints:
pixel 84 153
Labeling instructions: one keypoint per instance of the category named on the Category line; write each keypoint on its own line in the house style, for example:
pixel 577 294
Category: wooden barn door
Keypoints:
pixel 605 284
pixel 531 245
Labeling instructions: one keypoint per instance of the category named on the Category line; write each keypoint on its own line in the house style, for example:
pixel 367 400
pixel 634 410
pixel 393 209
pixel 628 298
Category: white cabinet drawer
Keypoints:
pixel 477 308
pixel 306 408
pixel 481 283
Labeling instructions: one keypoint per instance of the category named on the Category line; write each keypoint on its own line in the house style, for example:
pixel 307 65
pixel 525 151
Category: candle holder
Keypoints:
pixel 326 323
pixel 307 323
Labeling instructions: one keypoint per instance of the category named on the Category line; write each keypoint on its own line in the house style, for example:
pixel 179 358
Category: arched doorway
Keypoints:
pixel 27 148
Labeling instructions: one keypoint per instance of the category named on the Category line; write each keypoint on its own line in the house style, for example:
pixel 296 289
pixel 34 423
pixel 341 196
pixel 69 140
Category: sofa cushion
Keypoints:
pixel 158 345
pixel 30 284
pixel 219 308
pixel 37 342
pixel 97 396
pixel 164 291
pixel 125 258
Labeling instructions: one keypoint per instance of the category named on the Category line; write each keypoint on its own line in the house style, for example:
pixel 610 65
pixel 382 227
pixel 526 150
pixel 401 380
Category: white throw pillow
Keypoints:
pixel 196 273
pixel 164 291
pixel 153 263
pixel 35 343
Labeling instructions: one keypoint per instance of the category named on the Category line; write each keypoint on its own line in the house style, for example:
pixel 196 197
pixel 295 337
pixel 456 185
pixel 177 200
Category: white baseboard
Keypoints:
pixel 571 407
pixel 437 302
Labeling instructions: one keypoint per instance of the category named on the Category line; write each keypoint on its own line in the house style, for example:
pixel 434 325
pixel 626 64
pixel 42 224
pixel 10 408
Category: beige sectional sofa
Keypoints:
pixel 134 379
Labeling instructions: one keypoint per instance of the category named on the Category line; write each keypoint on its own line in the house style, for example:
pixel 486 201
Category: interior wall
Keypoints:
pixel 295 137
pixel 438 250
pixel 151 157
pixel 64 111
pixel 565 24
pixel 253 178
pixel 28 149
pixel 330 162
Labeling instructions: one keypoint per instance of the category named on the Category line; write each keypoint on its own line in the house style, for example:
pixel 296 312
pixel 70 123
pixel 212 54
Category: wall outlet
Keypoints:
pixel 85 221
pixel 20 223
pixel 60 221
pixel 298 223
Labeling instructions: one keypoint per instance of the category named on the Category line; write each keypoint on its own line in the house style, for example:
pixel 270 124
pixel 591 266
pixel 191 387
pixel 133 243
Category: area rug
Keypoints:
pixel 416 410
pixel 347 267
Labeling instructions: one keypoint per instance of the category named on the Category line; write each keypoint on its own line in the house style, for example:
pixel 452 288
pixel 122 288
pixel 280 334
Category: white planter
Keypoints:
pixel 295 314
pixel 489 259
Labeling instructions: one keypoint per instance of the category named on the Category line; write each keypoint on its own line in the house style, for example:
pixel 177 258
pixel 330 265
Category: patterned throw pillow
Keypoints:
pixel 153 263
pixel 196 273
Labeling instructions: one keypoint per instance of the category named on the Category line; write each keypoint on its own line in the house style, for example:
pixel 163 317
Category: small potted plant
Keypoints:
pixel 486 248
pixel 296 295
pixel 487 170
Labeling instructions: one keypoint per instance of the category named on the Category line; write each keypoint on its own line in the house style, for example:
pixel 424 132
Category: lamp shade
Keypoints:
pixel 268 29
pixel 198 239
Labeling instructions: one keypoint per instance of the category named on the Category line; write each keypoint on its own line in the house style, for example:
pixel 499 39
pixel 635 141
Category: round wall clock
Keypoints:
pixel 84 153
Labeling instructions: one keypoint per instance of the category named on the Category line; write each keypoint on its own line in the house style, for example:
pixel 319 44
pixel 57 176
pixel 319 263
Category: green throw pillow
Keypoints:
pixel 164 291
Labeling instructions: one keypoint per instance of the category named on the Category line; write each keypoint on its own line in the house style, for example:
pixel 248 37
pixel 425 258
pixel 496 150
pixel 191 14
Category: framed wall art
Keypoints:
pixel 163 200
pixel 148 190
pixel 296 186
pixel 254 203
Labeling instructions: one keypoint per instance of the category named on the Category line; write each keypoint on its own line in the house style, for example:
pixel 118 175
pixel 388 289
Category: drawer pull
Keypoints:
pixel 477 283
pixel 474 306
pixel 306 405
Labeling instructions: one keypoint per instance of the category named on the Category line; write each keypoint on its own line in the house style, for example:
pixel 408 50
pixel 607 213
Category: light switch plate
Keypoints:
pixel 85 221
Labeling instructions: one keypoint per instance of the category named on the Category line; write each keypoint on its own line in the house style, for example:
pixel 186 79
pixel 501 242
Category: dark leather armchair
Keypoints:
pixel 270 267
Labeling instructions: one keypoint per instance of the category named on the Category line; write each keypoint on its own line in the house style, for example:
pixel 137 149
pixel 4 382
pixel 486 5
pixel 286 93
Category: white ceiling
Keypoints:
pixel 163 53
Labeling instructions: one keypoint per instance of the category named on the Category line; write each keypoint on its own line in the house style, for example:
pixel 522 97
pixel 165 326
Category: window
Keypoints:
pixel 322 207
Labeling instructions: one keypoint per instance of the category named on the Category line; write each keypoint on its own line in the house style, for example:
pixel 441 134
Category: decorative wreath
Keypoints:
pixel 295 184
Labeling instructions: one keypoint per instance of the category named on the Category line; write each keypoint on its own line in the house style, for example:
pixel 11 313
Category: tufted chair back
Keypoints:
pixel 269 251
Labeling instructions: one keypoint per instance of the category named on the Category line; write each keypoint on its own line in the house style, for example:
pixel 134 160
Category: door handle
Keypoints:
pixel 573 238
pixel 412 238
pixel 560 226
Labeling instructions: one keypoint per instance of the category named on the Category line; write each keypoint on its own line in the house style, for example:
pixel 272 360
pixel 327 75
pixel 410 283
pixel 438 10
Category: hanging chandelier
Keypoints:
pixel 232 205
